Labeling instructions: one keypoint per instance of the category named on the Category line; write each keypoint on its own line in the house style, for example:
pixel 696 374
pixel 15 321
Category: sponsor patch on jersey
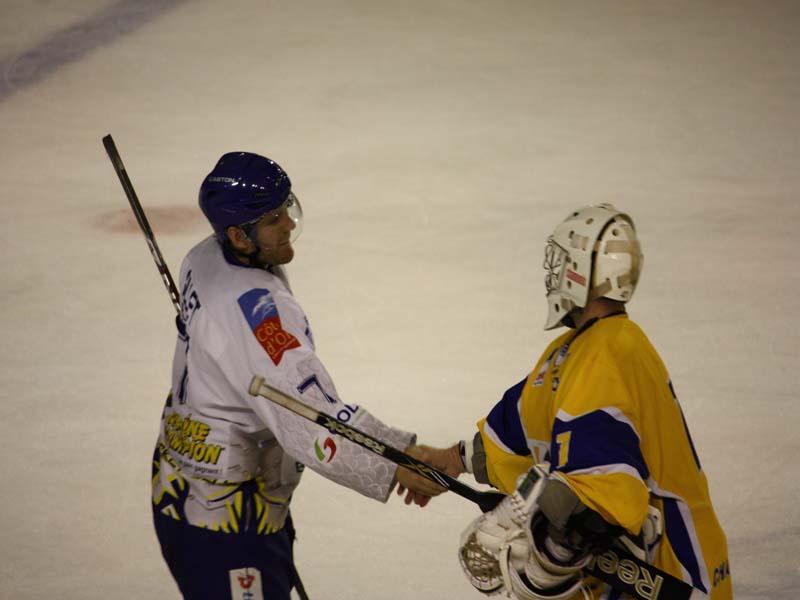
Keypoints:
pixel 327 451
pixel 188 437
pixel 540 375
pixel 562 355
pixel 347 413
pixel 246 584
pixel 261 313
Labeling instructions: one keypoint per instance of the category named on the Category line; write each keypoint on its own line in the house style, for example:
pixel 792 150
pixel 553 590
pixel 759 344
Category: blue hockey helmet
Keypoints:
pixel 240 189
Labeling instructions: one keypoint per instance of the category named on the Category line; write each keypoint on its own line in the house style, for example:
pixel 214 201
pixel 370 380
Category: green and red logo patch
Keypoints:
pixel 327 451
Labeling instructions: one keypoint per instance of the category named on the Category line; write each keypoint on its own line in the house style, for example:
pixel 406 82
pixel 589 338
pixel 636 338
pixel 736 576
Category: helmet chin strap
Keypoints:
pixel 572 316
pixel 252 256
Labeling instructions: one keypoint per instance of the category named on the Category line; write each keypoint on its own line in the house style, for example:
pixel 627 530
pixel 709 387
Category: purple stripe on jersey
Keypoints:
pixel 598 439
pixel 504 420
pixel 685 426
pixel 678 535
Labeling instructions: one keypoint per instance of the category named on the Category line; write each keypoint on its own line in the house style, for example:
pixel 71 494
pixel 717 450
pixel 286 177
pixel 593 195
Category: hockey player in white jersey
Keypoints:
pixel 226 463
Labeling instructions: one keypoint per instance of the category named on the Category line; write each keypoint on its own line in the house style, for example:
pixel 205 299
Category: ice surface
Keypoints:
pixel 434 145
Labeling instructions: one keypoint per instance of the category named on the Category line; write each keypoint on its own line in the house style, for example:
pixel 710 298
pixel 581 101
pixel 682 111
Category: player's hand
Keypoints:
pixel 444 459
pixel 417 489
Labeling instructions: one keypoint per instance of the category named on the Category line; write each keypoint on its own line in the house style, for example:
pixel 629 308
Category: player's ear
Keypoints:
pixel 238 239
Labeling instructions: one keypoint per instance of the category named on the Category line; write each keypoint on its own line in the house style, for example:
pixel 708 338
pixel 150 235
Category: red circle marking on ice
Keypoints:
pixel 164 220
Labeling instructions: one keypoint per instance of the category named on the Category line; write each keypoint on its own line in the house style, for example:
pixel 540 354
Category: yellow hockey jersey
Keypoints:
pixel 600 408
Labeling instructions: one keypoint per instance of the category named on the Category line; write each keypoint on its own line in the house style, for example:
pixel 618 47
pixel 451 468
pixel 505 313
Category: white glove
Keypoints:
pixel 479 548
pixel 491 533
pixel 497 550
pixel 549 571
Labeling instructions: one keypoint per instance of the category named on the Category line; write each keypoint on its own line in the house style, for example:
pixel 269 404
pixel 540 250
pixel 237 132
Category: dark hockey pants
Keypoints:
pixel 201 560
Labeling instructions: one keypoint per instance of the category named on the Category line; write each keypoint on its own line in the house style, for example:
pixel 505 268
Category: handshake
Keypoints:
pixel 419 489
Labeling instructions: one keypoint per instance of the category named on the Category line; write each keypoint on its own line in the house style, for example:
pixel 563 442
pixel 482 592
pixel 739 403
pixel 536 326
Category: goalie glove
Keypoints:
pixel 489 534
pixel 497 551
pixel 550 571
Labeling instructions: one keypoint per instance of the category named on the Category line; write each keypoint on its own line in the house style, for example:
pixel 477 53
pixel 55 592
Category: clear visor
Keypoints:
pixel 554 258
pixel 291 207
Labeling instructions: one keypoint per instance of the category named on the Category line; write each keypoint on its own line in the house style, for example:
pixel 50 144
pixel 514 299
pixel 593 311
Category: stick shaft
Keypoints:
pixel 486 500
pixel 141 218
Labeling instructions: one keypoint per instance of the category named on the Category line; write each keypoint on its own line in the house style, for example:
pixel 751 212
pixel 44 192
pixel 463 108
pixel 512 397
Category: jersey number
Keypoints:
pixel 190 304
pixel 343 415
pixel 313 381
pixel 562 439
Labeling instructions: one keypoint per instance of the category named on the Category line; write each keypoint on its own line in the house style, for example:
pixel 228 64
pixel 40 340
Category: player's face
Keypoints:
pixel 273 233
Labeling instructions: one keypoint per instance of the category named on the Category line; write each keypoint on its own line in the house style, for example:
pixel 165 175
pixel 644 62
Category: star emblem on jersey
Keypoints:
pixel 261 313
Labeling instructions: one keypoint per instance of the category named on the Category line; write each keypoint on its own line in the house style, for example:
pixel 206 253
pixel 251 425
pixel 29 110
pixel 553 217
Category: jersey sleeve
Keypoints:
pixel 595 446
pixel 278 345
pixel 503 436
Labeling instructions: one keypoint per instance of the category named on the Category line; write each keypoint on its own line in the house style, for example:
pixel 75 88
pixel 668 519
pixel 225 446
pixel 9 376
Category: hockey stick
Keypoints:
pixel 485 500
pixel 616 567
pixel 116 161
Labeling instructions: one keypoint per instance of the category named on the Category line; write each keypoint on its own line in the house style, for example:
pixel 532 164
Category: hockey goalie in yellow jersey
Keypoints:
pixel 591 447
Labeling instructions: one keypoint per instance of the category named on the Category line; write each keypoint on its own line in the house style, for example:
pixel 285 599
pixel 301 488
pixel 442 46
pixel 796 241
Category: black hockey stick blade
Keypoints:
pixel 485 500
pixel 616 567
pixel 141 218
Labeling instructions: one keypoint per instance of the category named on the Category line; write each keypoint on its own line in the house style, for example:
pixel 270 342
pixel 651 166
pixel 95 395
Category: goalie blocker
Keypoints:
pixel 541 542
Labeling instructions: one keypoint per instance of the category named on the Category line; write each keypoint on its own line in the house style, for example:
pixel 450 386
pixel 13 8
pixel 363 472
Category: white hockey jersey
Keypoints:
pixel 226 460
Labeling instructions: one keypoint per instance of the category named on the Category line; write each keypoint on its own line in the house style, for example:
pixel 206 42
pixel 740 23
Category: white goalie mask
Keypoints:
pixel 593 253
